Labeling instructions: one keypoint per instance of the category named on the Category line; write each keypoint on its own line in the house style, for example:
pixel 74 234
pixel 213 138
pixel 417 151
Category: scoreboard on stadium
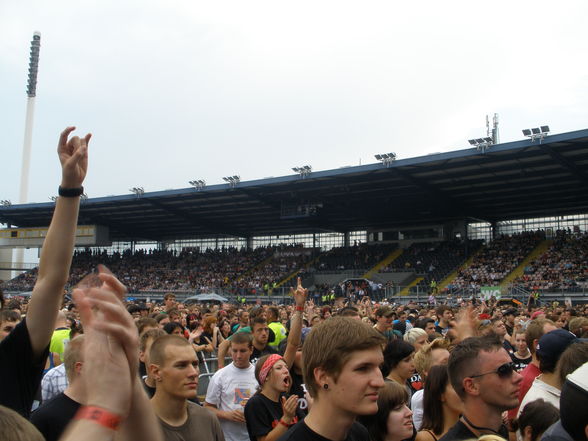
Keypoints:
pixel 86 235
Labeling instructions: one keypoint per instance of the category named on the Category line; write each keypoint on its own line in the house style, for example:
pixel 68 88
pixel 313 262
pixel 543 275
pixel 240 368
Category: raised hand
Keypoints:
pixel 73 155
pixel 299 293
pixel 465 323
pixel 111 348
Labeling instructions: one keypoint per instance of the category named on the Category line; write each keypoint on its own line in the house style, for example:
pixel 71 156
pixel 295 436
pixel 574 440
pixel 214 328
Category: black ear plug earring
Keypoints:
pixel 325 386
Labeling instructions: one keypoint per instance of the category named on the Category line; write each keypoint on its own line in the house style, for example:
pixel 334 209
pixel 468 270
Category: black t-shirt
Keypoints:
pixel 521 363
pixel 20 372
pixel 257 354
pixel 460 432
pixel 297 382
pixel 263 414
pixel 52 417
pixel 301 432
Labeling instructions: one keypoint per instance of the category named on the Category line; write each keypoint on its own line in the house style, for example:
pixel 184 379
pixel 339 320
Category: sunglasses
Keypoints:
pixel 503 371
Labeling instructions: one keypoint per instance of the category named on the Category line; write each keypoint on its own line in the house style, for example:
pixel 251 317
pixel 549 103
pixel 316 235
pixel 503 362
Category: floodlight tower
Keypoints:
pixel 28 134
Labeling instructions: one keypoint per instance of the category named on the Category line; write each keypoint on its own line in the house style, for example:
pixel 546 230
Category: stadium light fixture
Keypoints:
pixel 232 180
pixel 198 184
pixel 5 203
pixel 386 158
pixel 536 133
pixel 481 144
pixel 139 191
pixel 303 171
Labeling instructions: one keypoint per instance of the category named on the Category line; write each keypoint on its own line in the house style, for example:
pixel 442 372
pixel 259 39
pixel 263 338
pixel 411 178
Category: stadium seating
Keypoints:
pixel 496 260
pixel 561 267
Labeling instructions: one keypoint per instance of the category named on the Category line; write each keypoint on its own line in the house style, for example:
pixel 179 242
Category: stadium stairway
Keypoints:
pixel 451 277
pixel 519 270
pixel 255 267
pixel 406 290
pixel 383 263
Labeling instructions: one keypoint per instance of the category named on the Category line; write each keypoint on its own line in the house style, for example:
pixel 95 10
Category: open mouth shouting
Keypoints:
pixel 287 382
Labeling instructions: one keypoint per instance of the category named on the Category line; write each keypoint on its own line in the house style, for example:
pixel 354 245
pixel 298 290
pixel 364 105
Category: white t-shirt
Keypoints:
pixel 229 389
pixel 540 389
pixel 416 405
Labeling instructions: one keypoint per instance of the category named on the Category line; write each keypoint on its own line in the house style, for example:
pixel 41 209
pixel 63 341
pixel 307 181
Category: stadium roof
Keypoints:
pixel 509 181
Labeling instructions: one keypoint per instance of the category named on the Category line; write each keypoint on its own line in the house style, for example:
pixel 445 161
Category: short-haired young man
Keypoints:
pixel 428 324
pixel 262 334
pixel 444 316
pixel 146 339
pixel 550 350
pixel 174 365
pixel 483 375
pixel 8 321
pixel 231 387
pixel 25 350
pixel 169 300
pixel 342 359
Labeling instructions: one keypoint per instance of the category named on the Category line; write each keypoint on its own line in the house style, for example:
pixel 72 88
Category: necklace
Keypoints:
pixel 479 427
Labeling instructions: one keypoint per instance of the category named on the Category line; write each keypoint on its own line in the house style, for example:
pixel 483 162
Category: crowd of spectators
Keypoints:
pixel 360 256
pixel 257 272
pixel 561 267
pixel 496 260
pixel 433 261
pixel 236 271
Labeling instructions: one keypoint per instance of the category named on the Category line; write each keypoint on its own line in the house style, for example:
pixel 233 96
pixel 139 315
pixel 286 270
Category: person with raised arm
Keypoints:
pixel 269 413
pixel 24 351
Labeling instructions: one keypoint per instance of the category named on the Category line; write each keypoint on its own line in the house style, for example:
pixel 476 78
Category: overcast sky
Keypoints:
pixel 179 90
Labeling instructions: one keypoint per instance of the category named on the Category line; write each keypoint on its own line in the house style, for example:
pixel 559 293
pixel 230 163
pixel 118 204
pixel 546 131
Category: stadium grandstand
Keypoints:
pixel 512 217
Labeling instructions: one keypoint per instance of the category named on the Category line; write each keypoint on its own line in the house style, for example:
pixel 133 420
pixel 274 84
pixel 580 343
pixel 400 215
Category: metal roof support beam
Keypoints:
pixel 134 234
pixel 560 159
pixel 215 227
pixel 462 208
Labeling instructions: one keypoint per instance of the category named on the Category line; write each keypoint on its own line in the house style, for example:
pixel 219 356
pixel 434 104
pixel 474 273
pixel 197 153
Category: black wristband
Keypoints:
pixel 70 192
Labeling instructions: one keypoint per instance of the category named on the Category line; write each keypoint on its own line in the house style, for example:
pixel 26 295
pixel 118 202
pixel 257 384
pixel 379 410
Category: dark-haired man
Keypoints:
pixel 428 324
pixel 8 321
pixel 483 375
pixel 444 316
pixel 25 350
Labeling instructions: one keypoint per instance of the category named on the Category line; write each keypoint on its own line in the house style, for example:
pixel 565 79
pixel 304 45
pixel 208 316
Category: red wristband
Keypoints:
pixel 100 416
pixel 283 423
pixel 300 308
